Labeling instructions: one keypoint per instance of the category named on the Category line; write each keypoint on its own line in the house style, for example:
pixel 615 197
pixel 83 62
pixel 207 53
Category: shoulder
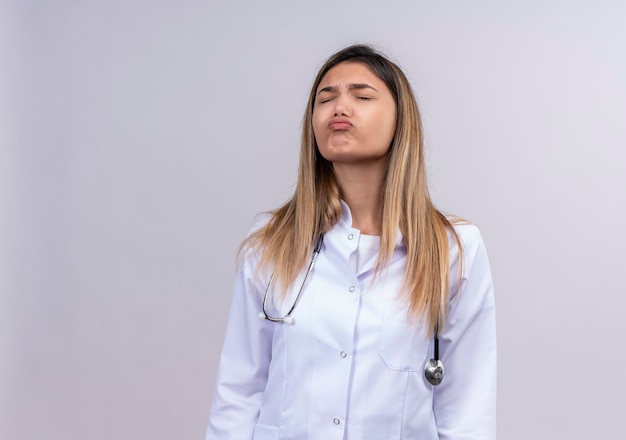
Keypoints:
pixel 260 221
pixel 468 255
pixel 468 235
pixel 251 246
pixel 463 235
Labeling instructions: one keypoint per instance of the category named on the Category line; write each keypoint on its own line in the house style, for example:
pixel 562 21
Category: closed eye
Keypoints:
pixel 325 97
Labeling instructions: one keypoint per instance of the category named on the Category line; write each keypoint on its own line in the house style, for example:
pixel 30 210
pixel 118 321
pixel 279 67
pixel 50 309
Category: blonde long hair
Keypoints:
pixel 286 241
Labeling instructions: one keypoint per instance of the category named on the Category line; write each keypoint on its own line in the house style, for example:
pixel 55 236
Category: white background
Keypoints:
pixel 138 139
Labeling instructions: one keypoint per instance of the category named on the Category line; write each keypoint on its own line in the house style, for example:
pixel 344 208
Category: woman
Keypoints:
pixel 344 349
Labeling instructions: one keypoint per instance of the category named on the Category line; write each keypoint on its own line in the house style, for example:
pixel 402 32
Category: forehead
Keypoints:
pixel 349 72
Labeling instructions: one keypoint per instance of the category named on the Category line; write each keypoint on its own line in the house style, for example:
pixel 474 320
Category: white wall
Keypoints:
pixel 138 139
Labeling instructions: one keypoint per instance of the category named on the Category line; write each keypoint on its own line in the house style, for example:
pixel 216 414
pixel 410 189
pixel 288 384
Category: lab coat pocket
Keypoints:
pixel 265 432
pixel 403 346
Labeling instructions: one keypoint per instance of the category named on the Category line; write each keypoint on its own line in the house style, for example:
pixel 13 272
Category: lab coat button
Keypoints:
pixel 336 421
pixel 350 237
pixel 352 288
pixel 343 354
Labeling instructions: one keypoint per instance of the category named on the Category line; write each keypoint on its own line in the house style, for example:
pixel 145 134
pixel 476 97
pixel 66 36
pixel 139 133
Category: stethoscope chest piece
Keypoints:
pixel 434 371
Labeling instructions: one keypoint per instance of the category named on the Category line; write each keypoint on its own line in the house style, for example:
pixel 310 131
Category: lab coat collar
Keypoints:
pixel 346 222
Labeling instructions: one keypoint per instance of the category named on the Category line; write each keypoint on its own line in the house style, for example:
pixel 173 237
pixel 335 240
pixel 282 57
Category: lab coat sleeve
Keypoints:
pixel 244 363
pixel 465 403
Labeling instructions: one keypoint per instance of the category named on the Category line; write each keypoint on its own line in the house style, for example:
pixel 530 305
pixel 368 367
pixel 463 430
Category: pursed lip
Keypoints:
pixel 339 124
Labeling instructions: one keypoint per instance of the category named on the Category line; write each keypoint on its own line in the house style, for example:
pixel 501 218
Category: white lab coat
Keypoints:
pixel 351 366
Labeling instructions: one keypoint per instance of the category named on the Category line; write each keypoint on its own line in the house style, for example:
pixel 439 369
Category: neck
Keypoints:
pixel 361 189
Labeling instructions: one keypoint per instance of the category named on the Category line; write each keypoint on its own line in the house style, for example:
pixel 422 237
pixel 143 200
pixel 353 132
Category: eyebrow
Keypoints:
pixel 356 86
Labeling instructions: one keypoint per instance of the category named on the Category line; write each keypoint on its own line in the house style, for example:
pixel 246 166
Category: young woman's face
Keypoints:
pixel 354 116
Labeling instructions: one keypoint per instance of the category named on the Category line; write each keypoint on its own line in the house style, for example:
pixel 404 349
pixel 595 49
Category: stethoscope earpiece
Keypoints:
pixel 434 371
pixel 286 320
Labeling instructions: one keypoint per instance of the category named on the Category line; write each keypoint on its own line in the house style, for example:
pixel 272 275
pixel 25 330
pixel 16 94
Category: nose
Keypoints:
pixel 342 106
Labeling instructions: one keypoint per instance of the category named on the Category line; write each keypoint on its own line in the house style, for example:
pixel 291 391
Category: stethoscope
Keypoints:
pixel 434 370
